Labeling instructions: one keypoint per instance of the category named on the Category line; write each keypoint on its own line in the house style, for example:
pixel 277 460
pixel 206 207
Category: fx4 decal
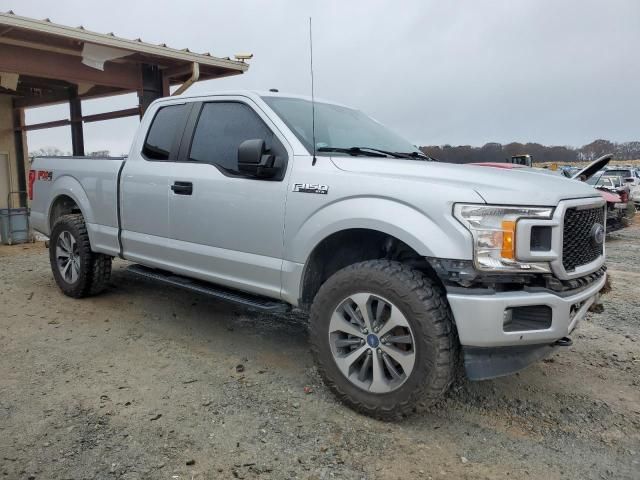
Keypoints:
pixel 45 175
pixel 311 188
pixel 42 175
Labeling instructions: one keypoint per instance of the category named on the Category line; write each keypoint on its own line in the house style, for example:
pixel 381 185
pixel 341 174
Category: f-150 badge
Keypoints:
pixel 311 188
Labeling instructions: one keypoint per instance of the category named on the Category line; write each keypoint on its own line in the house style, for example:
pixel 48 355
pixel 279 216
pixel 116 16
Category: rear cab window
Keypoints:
pixel 166 127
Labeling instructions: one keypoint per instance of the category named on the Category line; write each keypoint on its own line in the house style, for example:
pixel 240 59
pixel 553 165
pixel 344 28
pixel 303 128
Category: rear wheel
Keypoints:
pixel 383 338
pixel 78 271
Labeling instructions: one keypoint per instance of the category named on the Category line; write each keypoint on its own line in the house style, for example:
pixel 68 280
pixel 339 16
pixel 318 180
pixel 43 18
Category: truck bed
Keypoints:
pixel 90 181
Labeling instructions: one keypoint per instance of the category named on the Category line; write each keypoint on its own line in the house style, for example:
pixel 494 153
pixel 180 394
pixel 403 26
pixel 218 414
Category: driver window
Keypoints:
pixel 221 128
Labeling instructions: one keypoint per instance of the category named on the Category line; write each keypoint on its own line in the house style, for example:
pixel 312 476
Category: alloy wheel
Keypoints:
pixel 372 343
pixel 68 257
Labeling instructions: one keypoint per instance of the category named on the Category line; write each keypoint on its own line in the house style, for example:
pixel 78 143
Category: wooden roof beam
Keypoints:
pixel 98 117
pixel 38 63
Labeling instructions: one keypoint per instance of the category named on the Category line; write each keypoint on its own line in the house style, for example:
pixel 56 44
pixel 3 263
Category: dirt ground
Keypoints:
pixel 147 382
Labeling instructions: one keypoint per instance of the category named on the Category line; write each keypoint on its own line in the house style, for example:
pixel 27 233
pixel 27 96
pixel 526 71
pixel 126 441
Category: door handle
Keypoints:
pixel 182 188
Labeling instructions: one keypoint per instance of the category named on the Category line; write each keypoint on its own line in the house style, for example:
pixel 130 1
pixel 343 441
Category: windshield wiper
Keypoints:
pixel 416 155
pixel 355 151
pixel 368 151
pixel 377 152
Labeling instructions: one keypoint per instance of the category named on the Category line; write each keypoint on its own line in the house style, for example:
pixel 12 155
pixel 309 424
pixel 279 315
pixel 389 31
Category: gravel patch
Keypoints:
pixel 147 382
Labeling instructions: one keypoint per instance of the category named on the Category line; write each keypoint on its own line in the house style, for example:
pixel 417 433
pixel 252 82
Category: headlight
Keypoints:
pixel 494 235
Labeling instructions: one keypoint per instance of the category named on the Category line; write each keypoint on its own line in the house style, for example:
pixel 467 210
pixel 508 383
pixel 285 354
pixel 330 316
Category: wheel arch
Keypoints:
pixel 68 197
pixel 63 204
pixel 364 224
pixel 346 247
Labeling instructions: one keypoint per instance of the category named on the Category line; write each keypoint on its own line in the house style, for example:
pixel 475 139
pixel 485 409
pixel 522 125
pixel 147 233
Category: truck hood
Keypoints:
pixel 495 185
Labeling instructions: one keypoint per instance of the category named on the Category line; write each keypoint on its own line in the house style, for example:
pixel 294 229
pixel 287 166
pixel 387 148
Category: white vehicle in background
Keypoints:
pixel 622 177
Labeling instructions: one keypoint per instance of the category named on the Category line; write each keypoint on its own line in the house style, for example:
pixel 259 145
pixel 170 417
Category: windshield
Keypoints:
pixel 617 176
pixel 606 178
pixel 618 173
pixel 336 127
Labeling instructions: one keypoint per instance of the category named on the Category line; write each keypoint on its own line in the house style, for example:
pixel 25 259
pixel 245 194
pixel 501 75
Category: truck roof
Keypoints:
pixel 254 94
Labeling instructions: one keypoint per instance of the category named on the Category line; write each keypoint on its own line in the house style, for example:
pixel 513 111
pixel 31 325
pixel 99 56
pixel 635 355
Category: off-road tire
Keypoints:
pixel 95 268
pixel 423 302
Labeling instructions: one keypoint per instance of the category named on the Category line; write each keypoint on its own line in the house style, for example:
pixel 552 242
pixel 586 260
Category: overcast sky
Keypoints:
pixel 561 72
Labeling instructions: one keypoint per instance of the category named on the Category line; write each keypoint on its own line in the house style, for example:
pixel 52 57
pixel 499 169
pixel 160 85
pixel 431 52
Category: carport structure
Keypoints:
pixel 43 63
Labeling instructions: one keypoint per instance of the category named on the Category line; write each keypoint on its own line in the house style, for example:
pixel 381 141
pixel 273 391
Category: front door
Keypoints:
pixel 227 227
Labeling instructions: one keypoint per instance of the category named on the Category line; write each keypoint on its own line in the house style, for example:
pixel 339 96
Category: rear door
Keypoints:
pixel 227 227
pixel 145 186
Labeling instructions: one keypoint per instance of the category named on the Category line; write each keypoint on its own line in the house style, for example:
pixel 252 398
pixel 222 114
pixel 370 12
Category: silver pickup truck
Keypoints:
pixel 406 265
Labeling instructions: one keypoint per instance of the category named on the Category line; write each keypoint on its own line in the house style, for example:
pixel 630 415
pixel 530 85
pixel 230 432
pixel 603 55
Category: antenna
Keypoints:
pixel 313 102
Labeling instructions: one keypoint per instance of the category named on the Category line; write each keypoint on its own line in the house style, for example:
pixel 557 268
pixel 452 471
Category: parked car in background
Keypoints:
pixel 525 160
pixel 627 176
pixel 620 209
pixel 635 193
pixel 614 184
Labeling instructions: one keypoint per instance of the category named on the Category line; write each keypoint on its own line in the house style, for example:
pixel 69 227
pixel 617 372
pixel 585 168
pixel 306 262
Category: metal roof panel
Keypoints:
pixel 10 19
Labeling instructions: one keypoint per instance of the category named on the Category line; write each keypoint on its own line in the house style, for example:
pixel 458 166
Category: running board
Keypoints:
pixel 211 290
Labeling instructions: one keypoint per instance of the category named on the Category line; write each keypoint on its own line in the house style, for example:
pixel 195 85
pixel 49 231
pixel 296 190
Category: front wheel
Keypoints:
pixel 77 270
pixel 383 338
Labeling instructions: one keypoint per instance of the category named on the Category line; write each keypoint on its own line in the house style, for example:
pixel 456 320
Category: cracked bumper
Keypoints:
pixel 480 318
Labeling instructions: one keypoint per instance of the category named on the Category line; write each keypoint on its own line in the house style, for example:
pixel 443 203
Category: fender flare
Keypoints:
pixel 69 186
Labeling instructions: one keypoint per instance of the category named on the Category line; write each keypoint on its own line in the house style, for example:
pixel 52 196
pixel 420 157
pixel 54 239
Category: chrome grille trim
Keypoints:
pixel 555 255
pixel 558 238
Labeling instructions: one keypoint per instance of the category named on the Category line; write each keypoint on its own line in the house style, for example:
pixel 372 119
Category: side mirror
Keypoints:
pixel 629 180
pixel 255 160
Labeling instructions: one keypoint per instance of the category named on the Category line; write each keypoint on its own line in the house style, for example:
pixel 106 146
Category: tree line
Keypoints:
pixel 51 151
pixel 496 152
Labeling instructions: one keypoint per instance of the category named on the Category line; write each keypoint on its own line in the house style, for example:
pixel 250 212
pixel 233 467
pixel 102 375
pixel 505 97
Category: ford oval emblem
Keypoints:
pixel 373 340
pixel 597 234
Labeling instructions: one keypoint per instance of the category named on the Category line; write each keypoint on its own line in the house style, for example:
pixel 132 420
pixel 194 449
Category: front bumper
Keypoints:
pixel 480 318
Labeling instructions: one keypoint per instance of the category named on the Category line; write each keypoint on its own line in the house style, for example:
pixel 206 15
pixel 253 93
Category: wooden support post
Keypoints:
pixel 153 86
pixel 21 161
pixel 75 115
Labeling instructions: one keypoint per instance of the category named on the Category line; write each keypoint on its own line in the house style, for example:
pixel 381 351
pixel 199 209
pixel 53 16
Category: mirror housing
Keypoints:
pixel 629 180
pixel 255 160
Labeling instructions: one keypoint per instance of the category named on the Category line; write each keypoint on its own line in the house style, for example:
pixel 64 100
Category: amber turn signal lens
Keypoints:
pixel 508 240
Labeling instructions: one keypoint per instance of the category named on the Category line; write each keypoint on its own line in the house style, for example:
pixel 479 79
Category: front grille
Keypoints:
pixel 578 247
